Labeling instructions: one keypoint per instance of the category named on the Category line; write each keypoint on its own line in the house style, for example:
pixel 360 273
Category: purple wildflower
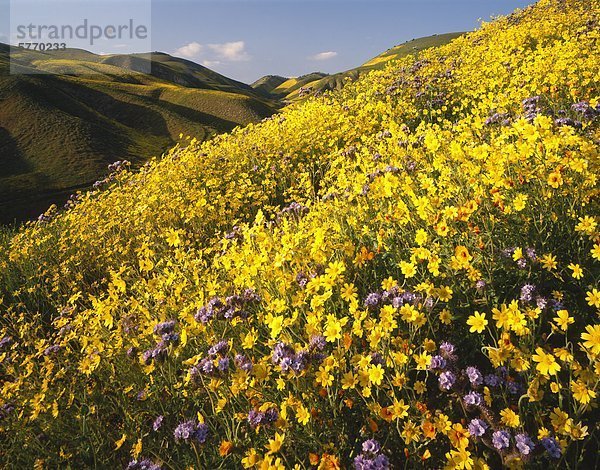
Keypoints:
pixel 584 108
pixel 501 439
pixel 527 292
pixel 191 430
pixel 477 427
pixel 223 364
pixel 145 464
pixel 371 446
pixel 157 423
pixel 446 349
pixel 6 341
pixel 372 300
pixel 437 362
pixel 165 327
pixel 51 350
pixel 541 302
pixel 147 356
pixel 474 376
pixel 219 348
pixel 473 399
pixel 371 458
pixel 242 362
pixel 257 418
pixel 524 443
pixel 446 380
pixel 317 342
pixel 170 338
pixel 565 121
pixel 492 380
pixel 552 447
pixel 6 410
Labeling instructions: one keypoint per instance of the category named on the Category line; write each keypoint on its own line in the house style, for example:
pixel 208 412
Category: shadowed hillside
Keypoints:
pixel 59 132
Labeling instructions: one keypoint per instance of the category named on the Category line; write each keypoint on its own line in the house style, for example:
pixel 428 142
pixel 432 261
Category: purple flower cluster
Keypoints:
pixel 447 350
pixel 191 430
pixel 51 350
pixel 216 363
pixel 392 297
pixel 232 307
pixel 444 361
pixel 477 427
pixel 473 399
pixel 501 378
pixel 5 341
pixel 585 110
pixel 295 209
pixel 166 330
pixel 530 255
pixel 474 376
pixel 302 279
pixel 552 447
pixel 527 292
pixel 566 121
pixel 145 464
pixel 157 423
pixel 446 380
pixel 524 443
pixel 235 233
pixel 532 108
pixel 6 410
pixel 114 169
pixel 501 439
pixel 263 418
pixel 243 363
pixel 371 457
pixel 118 166
pixel 498 118
pixel 288 359
pixel 437 363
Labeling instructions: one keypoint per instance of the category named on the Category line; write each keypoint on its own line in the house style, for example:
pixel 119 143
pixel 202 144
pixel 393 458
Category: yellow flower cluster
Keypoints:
pixel 413 259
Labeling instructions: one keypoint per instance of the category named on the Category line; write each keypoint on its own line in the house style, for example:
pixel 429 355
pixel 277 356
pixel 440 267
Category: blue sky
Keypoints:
pixel 246 39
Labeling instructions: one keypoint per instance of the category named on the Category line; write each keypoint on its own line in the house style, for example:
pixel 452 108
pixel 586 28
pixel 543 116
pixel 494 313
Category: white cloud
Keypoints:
pixel 211 55
pixel 232 51
pixel 190 51
pixel 324 55
pixel 211 63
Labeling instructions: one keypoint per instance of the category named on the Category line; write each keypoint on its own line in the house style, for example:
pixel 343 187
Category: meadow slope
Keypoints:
pixel 58 133
pixel 402 274
pixel 298 89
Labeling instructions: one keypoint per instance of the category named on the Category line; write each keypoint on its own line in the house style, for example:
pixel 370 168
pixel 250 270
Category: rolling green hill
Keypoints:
pixel 73 112
pixel 265 85
pixel 278 87
pixel 336 81
pixel 59 132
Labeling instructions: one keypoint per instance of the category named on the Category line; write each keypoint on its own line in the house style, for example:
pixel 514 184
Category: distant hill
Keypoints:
pixel 265 85
pixel 58 133
pixel 78 112
pixel 336 81
pixel 279 87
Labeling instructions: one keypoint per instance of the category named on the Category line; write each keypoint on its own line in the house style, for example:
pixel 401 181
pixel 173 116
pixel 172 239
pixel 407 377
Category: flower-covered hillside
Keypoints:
pixel 401 274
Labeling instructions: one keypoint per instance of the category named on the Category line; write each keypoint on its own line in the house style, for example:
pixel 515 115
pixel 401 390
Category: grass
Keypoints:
pixel 338 80
pixel 58 133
